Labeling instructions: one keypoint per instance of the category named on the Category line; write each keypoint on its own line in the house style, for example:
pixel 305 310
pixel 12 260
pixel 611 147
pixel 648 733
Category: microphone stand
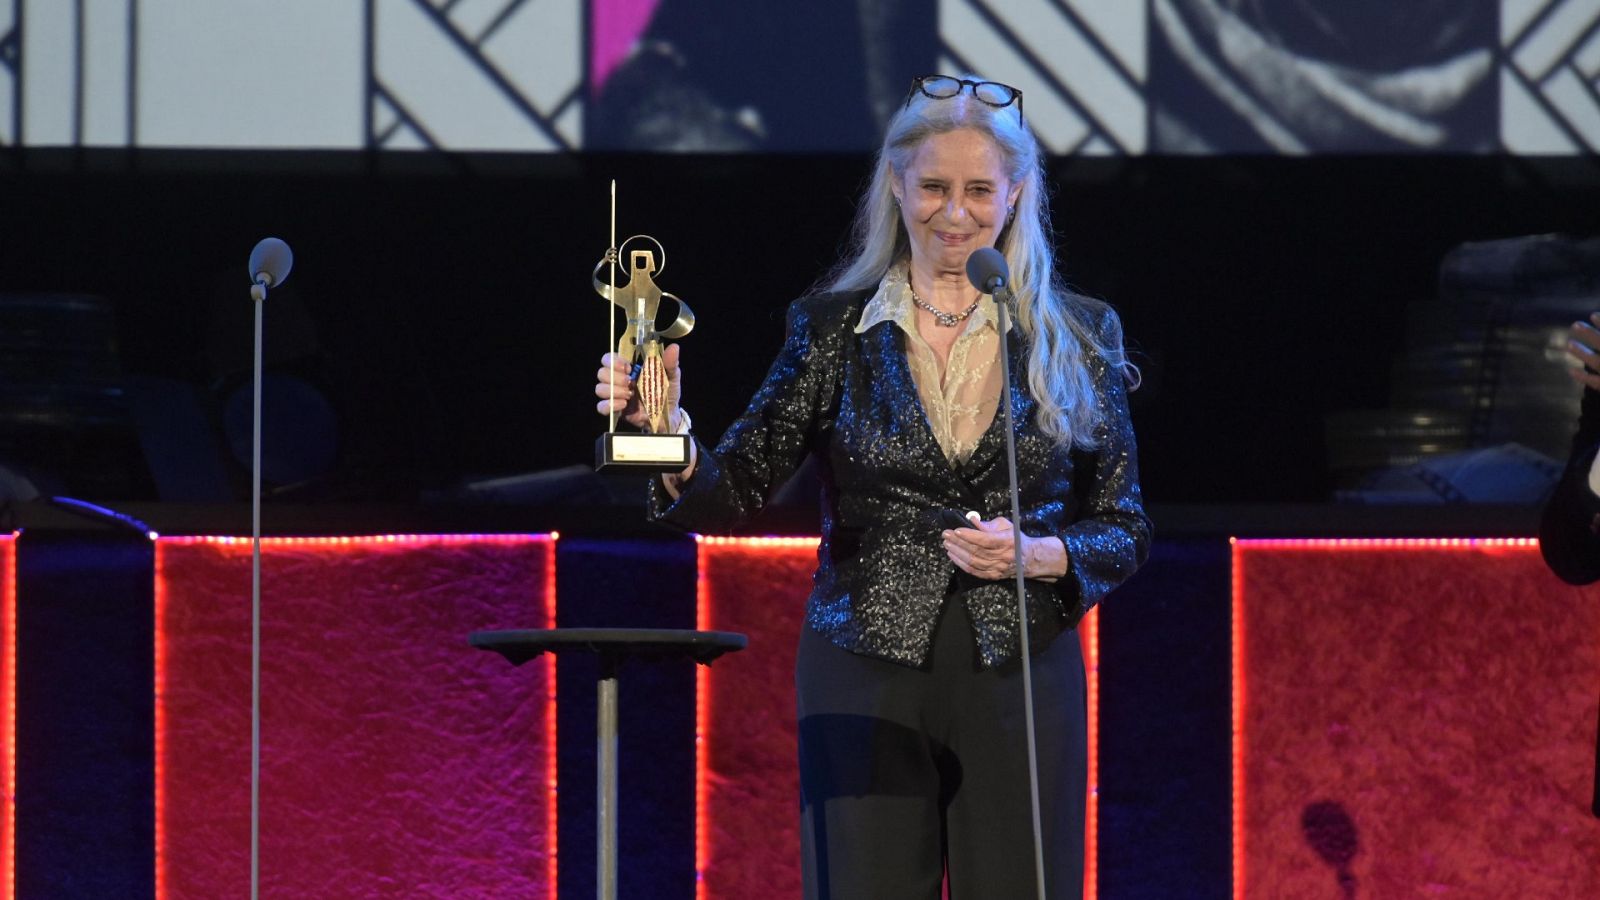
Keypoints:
pixel 258 293
pixel 270 263
pixel 1022 597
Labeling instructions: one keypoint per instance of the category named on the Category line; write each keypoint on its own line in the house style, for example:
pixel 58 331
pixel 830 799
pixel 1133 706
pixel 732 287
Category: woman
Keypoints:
pixel 1569 529
pixel 913 752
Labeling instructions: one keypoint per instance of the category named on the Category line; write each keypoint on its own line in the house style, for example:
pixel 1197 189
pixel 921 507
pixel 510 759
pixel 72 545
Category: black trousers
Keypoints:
pixel 908 775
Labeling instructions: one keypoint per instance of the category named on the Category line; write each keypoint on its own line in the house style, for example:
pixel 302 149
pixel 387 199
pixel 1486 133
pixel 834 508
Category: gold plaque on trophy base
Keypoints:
pixel 646 452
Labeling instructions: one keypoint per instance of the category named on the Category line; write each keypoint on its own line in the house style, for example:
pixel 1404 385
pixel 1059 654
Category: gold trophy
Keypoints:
pixel 656 448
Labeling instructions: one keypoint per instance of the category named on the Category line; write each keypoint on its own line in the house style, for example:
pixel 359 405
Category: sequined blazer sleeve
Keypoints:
pixel 768 442
pixel 1110 536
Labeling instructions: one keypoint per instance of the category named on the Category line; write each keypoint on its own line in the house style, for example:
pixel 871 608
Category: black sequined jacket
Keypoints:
pixel 882 573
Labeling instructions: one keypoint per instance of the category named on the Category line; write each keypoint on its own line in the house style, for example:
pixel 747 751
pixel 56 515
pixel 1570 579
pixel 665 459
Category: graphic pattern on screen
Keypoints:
pixel 1080 65
pixel 1550 84
pixel 476 74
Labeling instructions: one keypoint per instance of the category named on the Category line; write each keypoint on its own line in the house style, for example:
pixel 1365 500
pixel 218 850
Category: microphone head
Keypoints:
pixel 987 270
pixel 270 262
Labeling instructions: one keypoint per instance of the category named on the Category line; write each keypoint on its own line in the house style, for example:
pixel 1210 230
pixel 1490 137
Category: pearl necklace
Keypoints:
pixel 948 320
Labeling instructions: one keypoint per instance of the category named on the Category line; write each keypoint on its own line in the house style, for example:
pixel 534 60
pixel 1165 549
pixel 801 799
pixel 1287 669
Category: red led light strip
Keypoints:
pixel 756 542
pixel 1091 828
pixel 161 712
pixel 360 541
pixel 1338 544
pixel 552 841
pixel 1238 637
pixel 8 713
pixel 702 717
pixel 1236 648
pixel 243 544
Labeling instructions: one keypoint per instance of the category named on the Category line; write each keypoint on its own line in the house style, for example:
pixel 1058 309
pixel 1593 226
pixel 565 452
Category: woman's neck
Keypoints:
pixel 948 291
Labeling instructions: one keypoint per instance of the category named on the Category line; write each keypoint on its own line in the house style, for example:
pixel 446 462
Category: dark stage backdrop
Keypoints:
pixel 441 304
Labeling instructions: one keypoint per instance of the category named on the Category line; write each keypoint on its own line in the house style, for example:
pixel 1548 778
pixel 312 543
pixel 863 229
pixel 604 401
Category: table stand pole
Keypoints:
pixel 606 820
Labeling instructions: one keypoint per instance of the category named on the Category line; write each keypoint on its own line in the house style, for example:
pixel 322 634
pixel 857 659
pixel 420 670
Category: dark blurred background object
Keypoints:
pixel 1481 408
pixel 64 419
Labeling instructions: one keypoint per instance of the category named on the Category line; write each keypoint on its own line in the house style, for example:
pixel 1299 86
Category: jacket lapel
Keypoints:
pixel 899 390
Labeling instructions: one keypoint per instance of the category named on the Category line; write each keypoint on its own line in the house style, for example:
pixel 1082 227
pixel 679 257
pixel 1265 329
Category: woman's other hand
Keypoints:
pixel 1583 345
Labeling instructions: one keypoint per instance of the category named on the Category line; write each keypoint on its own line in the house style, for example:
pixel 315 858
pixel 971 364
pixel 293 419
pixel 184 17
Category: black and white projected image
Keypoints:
pixel 730 75
pixel 1100 77
pixel 1301 76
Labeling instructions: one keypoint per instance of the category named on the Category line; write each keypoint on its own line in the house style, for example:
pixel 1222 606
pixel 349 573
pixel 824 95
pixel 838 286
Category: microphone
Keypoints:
pixel 270 262
pixel 987 270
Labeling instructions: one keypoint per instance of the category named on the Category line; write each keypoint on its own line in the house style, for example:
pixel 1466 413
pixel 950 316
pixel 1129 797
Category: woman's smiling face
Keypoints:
pixel 954 197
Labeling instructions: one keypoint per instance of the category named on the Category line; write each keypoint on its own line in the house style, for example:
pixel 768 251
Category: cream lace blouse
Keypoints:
pixel 960 401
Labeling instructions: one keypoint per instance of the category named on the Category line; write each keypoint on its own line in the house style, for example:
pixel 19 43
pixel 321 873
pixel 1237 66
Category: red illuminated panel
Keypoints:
pixel 396 759
pixel 1412 717
pixel 746 786
pixel 8 715
pixel 747 831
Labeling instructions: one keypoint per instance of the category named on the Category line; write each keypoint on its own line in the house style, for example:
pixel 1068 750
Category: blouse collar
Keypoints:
pixel 892 303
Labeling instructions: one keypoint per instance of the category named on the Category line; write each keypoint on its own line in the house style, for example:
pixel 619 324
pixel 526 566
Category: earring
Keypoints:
pixel 1011 213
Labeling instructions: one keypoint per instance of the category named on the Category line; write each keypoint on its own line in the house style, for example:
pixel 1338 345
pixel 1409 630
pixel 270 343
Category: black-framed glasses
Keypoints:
pixel 943 87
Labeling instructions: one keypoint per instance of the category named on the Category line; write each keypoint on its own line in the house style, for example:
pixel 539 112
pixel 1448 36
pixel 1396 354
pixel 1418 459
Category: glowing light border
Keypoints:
pixel 368 540
pixel 1090 635
pixel 160 716
pixel 1236 703
pixel 551 755
pixel 1089 627
pixel 702 721
pixel 344 543
pixel 8 713
pixel 702 688
pixel 1237 636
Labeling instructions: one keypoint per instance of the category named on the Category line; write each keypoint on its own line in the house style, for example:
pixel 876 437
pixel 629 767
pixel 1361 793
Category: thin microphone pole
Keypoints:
pixel 1022 601
pixel 270 263
pixel 988 272
pixel 611 316
pixel 259 292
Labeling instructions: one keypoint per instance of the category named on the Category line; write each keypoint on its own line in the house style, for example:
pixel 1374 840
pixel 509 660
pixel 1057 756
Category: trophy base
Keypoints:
pixel 642 452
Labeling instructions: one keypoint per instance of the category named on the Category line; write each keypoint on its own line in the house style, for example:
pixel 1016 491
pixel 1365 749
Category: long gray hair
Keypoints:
pixel 1062 328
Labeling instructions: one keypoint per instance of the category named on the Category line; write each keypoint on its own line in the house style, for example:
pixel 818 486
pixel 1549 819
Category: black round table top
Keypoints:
pixel 521 645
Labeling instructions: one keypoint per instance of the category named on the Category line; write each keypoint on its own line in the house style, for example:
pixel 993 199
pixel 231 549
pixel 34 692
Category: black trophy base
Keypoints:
pixel 642 452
